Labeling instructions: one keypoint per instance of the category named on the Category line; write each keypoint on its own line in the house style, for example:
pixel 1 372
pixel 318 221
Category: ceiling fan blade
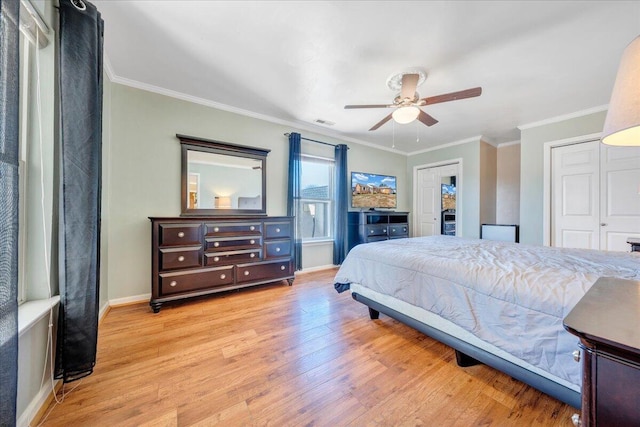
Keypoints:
pixel 426 119
pixel 468 93
pixel 409 85
pixel 347 107
pixel 381 122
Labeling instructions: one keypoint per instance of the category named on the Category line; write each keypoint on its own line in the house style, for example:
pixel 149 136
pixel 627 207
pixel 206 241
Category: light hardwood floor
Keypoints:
pixel 287 356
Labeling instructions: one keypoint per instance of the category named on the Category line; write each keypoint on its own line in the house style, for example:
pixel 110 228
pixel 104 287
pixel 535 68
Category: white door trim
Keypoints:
pixel 546 176
pixel 459 190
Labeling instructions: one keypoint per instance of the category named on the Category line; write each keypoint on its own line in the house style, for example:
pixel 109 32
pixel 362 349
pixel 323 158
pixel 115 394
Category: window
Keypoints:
pixel 316 196
pixel 36 151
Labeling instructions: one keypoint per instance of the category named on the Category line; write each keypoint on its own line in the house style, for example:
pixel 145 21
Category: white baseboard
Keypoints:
pixel 317 268
pixel 129 300
pixel 36 404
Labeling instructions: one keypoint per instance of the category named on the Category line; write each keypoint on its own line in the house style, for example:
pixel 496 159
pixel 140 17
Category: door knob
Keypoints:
pixel 603 224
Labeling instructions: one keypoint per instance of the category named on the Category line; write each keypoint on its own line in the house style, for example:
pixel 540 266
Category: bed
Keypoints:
pixel 494 302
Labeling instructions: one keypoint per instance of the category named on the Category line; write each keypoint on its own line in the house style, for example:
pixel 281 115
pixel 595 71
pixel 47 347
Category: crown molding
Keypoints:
pixel 564 117
pixel 219 106
pixel 449 144
pixel 507 144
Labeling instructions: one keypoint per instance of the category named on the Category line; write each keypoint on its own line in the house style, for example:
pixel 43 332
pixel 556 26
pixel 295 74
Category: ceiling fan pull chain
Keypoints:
pixel 417 132
pixel 393 144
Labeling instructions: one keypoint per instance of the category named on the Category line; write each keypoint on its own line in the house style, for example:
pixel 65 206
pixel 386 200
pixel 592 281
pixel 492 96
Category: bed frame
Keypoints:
pixel 468 355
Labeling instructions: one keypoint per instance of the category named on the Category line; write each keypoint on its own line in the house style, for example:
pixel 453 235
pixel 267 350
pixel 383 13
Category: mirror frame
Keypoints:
pixel 190 143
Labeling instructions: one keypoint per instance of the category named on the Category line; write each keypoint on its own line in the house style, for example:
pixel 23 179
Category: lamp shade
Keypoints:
pixel 406 114
pixel 622 125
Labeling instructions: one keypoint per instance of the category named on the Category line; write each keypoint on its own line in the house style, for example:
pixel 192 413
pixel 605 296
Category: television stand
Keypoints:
pixel 372 226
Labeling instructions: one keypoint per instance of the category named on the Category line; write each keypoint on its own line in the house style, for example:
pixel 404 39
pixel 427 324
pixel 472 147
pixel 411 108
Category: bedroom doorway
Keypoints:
pixel 595 196
pixel 436 199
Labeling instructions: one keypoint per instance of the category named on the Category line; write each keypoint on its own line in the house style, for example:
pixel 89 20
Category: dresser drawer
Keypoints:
pixel 398 230
pixel 264 271
pixel 278 248
pixel 174 283
pixel 375 230
pixel 275 230
pixel 222 228
pixel 226 243
pixel 181 257
pixel 180 234
pixel 233 257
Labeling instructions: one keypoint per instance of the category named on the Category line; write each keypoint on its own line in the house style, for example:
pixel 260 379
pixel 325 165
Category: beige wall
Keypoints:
pixel 508 184
pixel 487 183
pixel 144 174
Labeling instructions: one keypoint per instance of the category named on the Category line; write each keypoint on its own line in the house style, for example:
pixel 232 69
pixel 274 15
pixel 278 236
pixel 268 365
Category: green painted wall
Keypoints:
pixel 144 174
pixel 532 168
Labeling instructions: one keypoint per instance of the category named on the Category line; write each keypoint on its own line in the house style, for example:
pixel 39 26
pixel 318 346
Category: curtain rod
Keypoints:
pixel 313 140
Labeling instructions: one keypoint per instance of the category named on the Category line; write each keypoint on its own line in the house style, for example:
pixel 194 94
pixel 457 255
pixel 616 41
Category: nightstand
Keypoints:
pixel 607 321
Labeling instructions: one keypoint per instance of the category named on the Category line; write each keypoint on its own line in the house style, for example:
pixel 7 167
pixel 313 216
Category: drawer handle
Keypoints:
pixel 252 256
pixel 404 228
pixel 252 228
pixel 216 229
pixel 216 259
pixel 282 267
pixel 223 276
pixel 246 273
pixel 278 249
pixel 370 231
pixel 393 230
pixel 576 355
pixel 277 230
pixel 253 242
pixel 173 284
pixel 180 258
pixel 181 234
pixel 216 244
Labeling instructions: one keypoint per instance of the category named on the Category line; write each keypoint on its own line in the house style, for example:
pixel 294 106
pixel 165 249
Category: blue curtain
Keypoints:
pixel 80 82
pixel 9 100
pixel 293 195
pixel 341 204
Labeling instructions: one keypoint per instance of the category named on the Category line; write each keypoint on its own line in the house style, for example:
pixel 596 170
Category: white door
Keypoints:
pixel 574 196
pixel 428 203
pixel 620 196
pixel 429 198
pixel 595 196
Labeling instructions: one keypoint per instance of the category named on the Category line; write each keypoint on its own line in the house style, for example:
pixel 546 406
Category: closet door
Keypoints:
pixel 429 198
pixel 619 197
pixel 595 196
pixel 428 202
pixel 575 196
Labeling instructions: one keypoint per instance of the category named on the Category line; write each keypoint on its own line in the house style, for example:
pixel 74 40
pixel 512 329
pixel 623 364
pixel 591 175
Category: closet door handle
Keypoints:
pixel 603 224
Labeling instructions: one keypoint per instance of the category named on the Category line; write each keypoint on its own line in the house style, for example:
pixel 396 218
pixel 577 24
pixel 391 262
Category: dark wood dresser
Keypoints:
pixel 194 256
pixel 607 321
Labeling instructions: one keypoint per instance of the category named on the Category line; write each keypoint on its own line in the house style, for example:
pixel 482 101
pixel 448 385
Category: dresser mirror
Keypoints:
pixel 219 178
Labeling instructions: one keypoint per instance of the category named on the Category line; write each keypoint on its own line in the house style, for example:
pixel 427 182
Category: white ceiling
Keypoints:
pixel 294 62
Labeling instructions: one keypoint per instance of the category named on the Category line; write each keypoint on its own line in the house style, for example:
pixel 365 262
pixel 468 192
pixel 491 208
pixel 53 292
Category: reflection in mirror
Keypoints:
pixel 218 181
pixel 448 201
pixel 220 178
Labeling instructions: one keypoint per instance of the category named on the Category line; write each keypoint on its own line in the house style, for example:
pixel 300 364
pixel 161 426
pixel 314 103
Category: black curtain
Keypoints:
pixel 9 100
pixel 341 204
pixel 80 85
pixel 293 195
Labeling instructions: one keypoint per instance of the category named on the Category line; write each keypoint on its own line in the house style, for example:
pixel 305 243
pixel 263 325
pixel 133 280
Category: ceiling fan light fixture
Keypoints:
pixel 404 115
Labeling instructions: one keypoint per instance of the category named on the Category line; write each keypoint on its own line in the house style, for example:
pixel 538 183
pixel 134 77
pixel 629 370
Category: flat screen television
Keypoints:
pixel 371 191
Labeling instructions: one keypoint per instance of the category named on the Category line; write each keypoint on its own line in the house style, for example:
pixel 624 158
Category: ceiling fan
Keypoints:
pixel 407 102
